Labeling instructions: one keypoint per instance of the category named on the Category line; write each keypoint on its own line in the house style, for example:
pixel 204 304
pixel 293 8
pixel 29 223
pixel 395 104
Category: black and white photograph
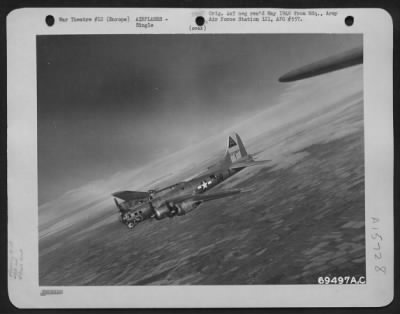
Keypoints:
pixel 200 158
pixel 183 160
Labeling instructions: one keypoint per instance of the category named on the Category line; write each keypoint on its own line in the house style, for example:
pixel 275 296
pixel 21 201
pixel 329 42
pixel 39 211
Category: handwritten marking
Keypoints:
pixel 15 262
pixel 377 246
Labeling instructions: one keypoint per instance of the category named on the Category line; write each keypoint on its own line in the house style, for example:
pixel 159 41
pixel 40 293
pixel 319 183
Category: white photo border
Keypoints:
pixel 23 25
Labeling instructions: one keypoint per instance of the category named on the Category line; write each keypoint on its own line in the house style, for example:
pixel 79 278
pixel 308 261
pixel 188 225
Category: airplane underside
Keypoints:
pixel 132 218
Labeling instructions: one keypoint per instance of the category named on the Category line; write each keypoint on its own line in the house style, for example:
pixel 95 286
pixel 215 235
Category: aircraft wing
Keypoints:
pixel 130 195
pixel 204 197
pixel 248 163
pixel 236 165
pixel 330 64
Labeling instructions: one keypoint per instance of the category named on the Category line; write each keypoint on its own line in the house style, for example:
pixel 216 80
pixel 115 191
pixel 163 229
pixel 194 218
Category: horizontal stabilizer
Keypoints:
pixel 130 195
pixel 204 197
pixel 249 163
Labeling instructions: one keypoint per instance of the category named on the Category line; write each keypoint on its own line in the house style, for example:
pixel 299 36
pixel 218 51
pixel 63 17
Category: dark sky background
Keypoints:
pixel 112 102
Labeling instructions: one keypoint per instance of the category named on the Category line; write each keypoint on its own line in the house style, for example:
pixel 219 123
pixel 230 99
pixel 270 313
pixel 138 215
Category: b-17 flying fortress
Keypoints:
pixel 181 198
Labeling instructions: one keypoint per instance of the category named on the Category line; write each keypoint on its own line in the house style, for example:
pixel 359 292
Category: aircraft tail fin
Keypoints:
pixel 235 149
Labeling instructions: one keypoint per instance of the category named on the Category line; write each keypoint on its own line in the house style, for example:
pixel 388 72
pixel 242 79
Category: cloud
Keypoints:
pixel 300 101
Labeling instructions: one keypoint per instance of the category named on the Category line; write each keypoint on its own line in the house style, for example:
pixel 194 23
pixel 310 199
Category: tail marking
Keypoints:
pixel 235 150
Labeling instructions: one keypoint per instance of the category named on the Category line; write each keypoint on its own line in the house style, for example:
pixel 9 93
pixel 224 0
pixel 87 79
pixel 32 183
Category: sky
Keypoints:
pixel 110 103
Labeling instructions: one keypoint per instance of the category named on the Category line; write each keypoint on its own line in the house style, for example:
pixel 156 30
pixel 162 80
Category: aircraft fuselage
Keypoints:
pixel 180 198
pixel 157 205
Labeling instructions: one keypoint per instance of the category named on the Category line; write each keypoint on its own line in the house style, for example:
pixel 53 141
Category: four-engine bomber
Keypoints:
pixel 181 198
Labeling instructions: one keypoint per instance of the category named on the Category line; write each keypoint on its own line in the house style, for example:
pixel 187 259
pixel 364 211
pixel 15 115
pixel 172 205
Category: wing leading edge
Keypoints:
pixel 333 63
pixel 204 197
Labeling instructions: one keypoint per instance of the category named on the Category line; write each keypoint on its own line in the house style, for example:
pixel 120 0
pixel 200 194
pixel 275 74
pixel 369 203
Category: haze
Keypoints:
pixel 112 103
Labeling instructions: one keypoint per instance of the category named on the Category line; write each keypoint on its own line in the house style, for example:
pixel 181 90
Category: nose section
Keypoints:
pixel 145 210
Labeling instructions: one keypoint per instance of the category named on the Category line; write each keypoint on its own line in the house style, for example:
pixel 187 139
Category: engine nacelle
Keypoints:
pixel 163 212
pixel 171 209
pixel 186 206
